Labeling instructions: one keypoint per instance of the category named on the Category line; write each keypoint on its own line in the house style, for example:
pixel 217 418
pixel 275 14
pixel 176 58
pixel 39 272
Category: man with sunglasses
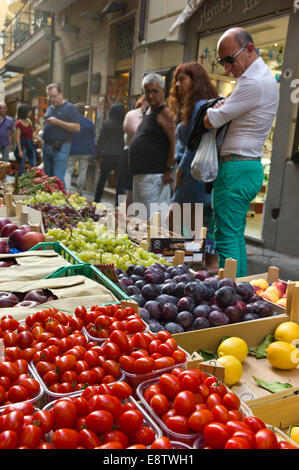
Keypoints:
pixel 250 109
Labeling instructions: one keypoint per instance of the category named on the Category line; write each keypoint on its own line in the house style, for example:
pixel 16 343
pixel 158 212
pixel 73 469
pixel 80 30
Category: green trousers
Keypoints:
pixel 237 184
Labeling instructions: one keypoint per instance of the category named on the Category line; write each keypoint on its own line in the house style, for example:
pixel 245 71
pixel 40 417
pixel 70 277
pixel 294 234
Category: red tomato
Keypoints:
pixel 178 424
pixel 111 367
pixel 161 443
pixel 30 436
pixel 220 414
pixel 285 445
pixel 130 421
pixel 65 438
pixel 121 390
pixel 80 311
pixel 213 399
pixel 17 393
pixel 44 420
pixel 235 415
pixel 135 325
pixel 89 439
pixel 99 421
pixel 209 380
pixel 92 358
pixel 237 443
pixel 160 404
pixel 64 414
pixel 248 435
pixel 82 405
pixel 9 324
pixel 22 366
pixel 69 376
pixel 145 436
pixel 76 323
pixel 231 401
pixel 150 391
pixel 220 388
pixel 265 439
pixel 13 421
pixel 153 346
pixel 31 385
pixel 10 338
pixel 204 390
pixel 8 440
pixel 144 365
pixel 179 356
pixel 111 350
pixel 9 369
pixel 164 362
pixel 216 435
pixel 120 339
pixel 51 377
pixel 234 426
pixel 116 436
pixel 169 385
pixel 190 382
pixel 199 419
pixel 106 402
pixel 27 354
pixel 45 445
pixel 66 362
pixel 254 423
pixel 184 403
pixel 111 445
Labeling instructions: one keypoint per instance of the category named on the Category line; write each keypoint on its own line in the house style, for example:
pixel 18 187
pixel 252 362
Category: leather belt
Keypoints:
pixel 234 157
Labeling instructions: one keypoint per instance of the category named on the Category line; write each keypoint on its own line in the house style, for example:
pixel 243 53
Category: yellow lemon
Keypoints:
pixel 294 433
pixel 235 347
pixel 282 355
pixel 287 331
pixel 262 283
pixel 233 369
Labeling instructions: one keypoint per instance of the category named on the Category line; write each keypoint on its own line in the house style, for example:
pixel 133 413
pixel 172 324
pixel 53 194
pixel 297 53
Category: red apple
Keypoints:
pixel 31 239
pixel 8 229
pixel 4 246
pixel 8 299
pixel 4 221
pixel 37 295
pixel 27 304
pixel 15 238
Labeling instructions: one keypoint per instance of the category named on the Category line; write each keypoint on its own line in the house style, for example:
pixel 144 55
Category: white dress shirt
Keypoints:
pixel 251 107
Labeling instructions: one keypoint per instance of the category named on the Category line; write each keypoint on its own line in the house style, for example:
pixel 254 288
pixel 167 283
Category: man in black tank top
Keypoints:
pixel 151 152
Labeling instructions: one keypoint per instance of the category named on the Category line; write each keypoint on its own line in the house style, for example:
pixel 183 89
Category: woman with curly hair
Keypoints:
pixel 191 87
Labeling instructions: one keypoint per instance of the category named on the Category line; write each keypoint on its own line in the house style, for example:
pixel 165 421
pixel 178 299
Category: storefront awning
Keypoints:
pixel 190 8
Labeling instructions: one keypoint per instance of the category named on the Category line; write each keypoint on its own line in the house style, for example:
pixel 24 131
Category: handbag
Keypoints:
pixel 204 166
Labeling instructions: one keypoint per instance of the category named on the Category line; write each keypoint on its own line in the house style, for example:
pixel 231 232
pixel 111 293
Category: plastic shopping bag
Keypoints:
pixel 205 162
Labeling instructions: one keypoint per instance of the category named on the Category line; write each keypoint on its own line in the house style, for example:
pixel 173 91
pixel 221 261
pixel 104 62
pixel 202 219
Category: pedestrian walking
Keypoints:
pixel 110 148
pixel 151 151
pixel 24 149
pixel 82 150
pixel 251 108
pixel 7 133
pixel 130 125
pixel 61 120
pixel 191 87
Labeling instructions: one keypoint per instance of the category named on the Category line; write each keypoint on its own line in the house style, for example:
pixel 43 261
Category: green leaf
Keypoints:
pixel 259 352
pixel 272 386
pixel 207 355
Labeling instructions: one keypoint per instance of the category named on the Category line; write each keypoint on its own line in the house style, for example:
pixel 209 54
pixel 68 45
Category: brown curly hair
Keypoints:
pixel 181 108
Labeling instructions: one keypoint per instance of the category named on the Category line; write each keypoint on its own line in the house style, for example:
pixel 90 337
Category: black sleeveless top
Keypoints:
pixel 148 150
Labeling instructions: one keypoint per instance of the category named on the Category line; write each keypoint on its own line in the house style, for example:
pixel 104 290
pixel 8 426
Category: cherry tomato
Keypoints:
pixel 145 435
pixel 13 421
pixel 99 421
pixel 265 439
pixel 150 391
pixel 220 414
pixel 164 362
pixel 161 443
pixel 160 404
pixel 199 419
pixel 248 435
pixel 144 365
pixel 121 390
pixel 43 419
pixel 213 399
pixel 234 426
pixel 111 367
pixel 9 369
pixel 31 385
pixel 80 311
pixel 178 424
pixel 179 356
pixel 8 440
pixel 17 393
pixel 184 403
pixel 120 339
pixel 231 401
pixel 216 435
pixel 237 443
pixel 30 436
pixel 169 385
pixel 254 423
pixel 285 445
pixel 65 438
pixel 64 414
pixel 116 436
pixel 130 421
pixel 218 387
pixel 66 362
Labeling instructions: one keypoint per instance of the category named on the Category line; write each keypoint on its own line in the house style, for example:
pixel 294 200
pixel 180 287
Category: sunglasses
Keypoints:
pixel 230 59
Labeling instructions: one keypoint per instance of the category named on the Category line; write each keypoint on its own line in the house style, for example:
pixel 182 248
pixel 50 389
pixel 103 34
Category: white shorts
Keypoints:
pixel 150 191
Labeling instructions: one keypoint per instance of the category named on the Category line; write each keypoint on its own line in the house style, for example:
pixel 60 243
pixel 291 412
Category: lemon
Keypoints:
pixel 294 433
pixel 235 347
pixel 287 331
pixel 282 355
pixel 233 369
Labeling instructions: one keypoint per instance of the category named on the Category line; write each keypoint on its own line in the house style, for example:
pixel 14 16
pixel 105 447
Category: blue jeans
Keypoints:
pixel 5 153
pixel 55 161
pixel 29 153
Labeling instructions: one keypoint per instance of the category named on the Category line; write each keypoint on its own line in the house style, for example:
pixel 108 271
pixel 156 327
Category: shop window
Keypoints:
pixel 124 44
pixel 269 38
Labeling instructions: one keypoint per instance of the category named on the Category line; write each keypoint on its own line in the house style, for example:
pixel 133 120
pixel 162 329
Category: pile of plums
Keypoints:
pixel 172 298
